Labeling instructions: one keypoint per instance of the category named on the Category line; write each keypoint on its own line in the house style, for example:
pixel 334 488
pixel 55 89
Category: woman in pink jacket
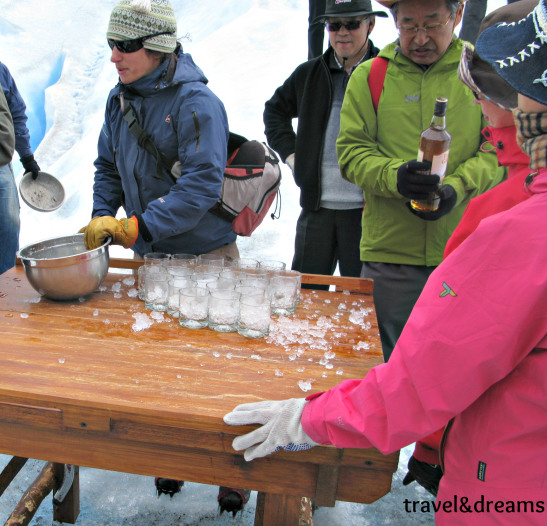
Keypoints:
pixel 497 100
pixel 473 354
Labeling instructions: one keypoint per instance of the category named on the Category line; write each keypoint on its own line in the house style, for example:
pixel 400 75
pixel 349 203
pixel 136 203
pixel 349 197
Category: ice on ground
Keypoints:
pixel 96 312
pixel 130 281
pixel 362 346
pixel 116 287
pixel 24 315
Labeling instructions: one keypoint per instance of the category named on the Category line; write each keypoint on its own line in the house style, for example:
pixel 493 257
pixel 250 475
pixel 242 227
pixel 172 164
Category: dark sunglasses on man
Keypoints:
pixel 352 25
pixel 130 46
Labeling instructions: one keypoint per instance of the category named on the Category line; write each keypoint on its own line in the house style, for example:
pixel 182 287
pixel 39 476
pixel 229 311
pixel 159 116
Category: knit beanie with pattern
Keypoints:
pixel 132 19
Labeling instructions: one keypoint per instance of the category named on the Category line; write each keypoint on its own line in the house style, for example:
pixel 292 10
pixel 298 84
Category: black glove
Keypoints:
pixel 413 183
pixel 30 165
pixel 426 475
pixel 448 200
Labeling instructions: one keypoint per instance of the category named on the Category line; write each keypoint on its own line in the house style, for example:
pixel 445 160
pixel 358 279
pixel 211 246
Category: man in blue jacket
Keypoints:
pixel 166 212
pixel 9 216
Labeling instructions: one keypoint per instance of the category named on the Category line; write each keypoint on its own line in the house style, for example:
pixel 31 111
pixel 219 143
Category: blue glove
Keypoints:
pixel 448 201
pixel 281 427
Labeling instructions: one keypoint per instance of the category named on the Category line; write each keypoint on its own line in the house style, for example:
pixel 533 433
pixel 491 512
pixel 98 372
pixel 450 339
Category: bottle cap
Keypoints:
pixel 440 107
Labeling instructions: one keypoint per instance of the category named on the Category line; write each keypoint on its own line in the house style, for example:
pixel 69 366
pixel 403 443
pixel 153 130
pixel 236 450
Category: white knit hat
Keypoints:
pixel 132 19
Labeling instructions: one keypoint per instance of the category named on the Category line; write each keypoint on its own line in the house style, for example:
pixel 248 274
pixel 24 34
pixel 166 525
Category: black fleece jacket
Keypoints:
pixel 306 94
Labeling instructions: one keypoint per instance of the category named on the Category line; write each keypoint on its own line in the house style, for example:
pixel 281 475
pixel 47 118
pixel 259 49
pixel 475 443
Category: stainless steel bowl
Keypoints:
pixel 63 269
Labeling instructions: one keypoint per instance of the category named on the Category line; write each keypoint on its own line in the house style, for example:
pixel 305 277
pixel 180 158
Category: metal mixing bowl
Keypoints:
pixel 63 269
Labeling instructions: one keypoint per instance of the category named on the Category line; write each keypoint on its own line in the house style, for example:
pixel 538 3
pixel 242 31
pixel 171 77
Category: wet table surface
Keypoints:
pixel 102 382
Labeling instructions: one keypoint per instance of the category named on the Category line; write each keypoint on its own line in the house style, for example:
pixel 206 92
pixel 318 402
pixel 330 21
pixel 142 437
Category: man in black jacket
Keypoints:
pixel 328 230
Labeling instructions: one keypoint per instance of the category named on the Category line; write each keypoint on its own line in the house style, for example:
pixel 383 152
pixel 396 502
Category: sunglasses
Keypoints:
pixel 333 27
pixel 130 46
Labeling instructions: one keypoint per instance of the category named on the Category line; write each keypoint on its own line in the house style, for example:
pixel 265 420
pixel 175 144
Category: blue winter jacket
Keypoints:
pixel 18 110
pixel 186 121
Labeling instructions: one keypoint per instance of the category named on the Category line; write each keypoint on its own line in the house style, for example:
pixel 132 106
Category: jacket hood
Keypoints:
pixel 185 71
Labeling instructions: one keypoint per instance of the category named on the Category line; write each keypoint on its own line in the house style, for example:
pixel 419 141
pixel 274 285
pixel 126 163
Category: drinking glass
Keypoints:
pixel 254 316
pixel 183 260
pixel 211 259
pixel 284 295
pixel 244 263
pixel 175 284
pixel 140 281
pixel 193 307
pixel 271 264
pixel 201 280
pixel 223 310
pixel 156 290
pixel 156 258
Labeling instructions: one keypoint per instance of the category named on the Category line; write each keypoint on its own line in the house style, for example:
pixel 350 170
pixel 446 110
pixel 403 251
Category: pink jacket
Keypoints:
pixel 503 196
pixel 473 352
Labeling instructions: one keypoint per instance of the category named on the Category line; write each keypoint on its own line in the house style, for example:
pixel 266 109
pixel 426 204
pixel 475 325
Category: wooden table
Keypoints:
pixel 80 385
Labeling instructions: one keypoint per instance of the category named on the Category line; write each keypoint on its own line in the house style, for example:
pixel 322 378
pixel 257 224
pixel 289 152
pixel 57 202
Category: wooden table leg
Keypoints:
pixel 282 510
pixel 69 509
pixel 10 471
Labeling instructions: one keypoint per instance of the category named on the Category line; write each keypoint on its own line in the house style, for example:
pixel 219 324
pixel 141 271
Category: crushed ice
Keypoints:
pixel 362 346
pixel 142 321
pixel 305 386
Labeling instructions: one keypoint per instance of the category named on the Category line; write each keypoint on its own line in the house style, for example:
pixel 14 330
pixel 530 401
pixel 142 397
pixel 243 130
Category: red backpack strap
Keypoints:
pixel 376 79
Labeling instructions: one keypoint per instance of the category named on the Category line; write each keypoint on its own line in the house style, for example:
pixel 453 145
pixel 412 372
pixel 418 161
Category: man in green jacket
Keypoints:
pixel 399 248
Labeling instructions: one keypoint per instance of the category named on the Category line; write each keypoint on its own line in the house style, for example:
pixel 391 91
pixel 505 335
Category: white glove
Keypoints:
pixel 281 427
pixel 289 161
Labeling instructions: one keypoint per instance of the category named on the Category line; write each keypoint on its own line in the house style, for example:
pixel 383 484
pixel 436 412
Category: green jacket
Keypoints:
pixel 371 147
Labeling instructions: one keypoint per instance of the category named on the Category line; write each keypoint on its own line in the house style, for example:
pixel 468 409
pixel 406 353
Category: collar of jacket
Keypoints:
pixel 334 63
pixel 504 141
pixel 451 55
pixel 160 78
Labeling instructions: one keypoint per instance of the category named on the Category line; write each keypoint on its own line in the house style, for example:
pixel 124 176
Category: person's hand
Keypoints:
pixel 289 161
pixel 448 198
pixel 413 181
pixel 281 427
pixel 30 165
pixel 123 232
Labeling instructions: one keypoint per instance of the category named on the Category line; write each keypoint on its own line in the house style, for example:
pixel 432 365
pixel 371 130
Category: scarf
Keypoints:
pixel 532 136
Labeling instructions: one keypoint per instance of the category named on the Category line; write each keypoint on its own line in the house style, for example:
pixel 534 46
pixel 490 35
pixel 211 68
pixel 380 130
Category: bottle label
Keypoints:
pixel 438 163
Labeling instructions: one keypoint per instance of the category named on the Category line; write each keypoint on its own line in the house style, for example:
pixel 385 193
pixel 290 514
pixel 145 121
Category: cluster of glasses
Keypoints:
pixel 225 295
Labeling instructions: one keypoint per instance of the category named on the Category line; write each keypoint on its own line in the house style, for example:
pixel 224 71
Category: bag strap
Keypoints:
pixel 376 79
pixel 143 139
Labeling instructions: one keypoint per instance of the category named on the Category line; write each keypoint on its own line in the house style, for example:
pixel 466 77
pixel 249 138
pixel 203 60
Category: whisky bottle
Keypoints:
pixel 434 147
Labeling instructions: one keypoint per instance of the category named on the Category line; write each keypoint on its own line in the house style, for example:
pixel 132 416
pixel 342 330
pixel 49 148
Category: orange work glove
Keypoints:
pixel 123 232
